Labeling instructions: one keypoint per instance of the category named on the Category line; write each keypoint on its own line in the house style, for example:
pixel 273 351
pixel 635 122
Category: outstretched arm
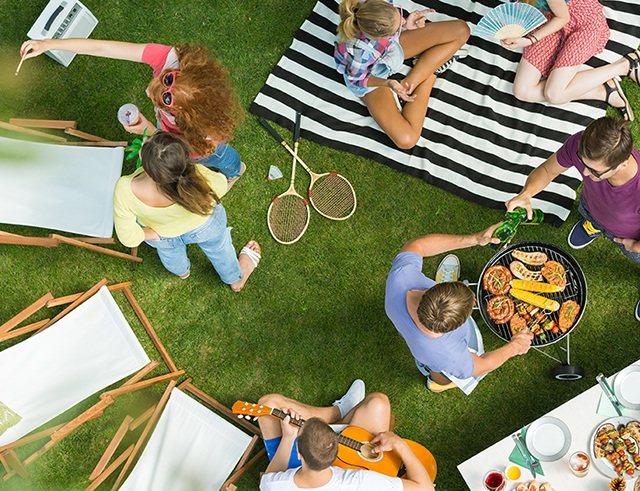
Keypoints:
pixel 434 244
pixel 94 47
pixel 519 345
pixel 539 179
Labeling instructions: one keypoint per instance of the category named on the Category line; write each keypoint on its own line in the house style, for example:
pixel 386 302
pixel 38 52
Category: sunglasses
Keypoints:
pixel 595 173
pixel 168 80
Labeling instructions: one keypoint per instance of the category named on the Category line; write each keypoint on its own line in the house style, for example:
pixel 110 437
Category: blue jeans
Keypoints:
pixel 226 159
pixel 213 237
pixel 634 256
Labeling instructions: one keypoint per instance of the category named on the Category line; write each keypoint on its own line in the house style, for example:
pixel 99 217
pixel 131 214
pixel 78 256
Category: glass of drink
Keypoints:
pixel 494 481
pixel 128 115
pixel 579 463
pixel 513 472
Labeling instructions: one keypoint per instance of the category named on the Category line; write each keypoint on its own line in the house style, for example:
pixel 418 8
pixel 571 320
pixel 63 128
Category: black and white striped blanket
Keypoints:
pixel 478 141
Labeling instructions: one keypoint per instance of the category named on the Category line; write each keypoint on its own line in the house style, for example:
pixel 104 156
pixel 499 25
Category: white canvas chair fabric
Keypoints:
pixel 59 187
pixel 191 449
pixel 84 352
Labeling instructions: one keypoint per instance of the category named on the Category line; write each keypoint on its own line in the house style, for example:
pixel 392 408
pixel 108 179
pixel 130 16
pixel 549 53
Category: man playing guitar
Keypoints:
pixel 304 456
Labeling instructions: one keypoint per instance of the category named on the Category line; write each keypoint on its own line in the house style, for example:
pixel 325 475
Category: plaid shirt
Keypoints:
pixel 356 63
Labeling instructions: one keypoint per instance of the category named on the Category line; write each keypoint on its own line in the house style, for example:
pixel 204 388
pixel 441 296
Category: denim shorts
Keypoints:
pixel 226 159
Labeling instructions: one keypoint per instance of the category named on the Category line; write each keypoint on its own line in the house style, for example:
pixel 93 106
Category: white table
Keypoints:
pixel 581 417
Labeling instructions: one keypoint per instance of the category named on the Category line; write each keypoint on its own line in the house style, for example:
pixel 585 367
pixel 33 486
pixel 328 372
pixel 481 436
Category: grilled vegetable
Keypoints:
pixel 535 286
pixel 519 270
pixel 533 299
pixel 530 258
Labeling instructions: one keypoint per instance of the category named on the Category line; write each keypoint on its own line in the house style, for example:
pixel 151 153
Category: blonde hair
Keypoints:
pixel 446 306
pixel 530 2
pixel 374 18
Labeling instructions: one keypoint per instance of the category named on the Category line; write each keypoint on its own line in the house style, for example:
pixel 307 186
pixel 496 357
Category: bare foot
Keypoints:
pixel 248 258
pixel 232 180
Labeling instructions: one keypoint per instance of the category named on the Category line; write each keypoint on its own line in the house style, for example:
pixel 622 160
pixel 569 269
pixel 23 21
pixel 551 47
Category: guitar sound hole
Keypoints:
pixel 367 453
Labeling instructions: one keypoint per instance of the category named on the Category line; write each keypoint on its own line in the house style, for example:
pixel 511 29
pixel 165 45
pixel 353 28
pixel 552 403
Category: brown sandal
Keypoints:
pixel 626 110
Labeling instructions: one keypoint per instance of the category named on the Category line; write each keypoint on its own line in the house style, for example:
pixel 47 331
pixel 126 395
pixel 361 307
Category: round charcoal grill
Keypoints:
pixel 576 289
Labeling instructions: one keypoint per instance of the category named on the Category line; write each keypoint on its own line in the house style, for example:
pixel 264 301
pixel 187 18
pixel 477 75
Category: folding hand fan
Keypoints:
pixel 509 20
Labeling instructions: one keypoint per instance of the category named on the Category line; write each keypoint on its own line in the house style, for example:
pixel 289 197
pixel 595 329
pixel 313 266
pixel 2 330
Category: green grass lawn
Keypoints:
pixel 311 319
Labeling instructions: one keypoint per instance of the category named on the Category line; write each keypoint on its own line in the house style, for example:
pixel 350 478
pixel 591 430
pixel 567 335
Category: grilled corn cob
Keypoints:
pixel 535 286
pixel 533 299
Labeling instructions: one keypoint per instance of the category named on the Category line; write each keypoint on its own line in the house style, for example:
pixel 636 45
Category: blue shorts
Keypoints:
pixel 272 445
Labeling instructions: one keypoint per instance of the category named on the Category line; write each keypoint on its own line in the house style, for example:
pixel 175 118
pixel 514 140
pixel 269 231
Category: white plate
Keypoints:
pixel 603 465
pixel 548 439
pixel 627 387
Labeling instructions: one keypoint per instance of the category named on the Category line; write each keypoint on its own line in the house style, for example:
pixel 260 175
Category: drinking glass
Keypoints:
pixel 579 463
pixel 494 481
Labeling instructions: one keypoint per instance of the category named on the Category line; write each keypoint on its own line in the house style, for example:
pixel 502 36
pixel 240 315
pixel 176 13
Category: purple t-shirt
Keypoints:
pixel 617 209
pixel 448 353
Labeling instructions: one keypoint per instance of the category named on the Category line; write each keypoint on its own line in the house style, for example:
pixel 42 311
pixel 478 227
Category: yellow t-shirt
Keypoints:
pixel 131 214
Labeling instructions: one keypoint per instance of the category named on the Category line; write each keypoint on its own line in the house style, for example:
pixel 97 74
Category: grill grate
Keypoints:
pixel 576 288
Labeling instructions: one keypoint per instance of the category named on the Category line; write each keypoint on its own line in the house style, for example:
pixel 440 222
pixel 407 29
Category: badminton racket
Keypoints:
pixel 288 214
pixel 509 20
pixel 331 194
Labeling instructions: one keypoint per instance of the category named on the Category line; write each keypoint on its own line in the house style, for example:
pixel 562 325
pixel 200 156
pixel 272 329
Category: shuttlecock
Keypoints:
pixel 274 173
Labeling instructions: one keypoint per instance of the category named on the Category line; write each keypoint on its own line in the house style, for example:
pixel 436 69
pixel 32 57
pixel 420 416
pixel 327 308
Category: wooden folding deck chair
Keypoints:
pixel 60 185
pixel 191 446
pixel 82 350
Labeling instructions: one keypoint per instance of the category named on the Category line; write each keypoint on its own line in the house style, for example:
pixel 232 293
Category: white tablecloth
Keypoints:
pixel 582 419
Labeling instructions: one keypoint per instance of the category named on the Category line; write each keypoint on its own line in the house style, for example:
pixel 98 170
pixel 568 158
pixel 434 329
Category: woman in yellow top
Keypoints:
pixel 170 202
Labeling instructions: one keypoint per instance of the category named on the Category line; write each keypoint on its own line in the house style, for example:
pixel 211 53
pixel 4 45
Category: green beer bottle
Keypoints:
pixel 512 220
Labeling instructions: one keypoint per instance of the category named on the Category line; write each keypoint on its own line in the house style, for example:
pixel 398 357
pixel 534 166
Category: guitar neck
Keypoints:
pixel 342 440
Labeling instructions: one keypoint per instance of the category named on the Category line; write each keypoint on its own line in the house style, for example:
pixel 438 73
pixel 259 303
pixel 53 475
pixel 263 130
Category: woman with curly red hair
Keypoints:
pixel 191 93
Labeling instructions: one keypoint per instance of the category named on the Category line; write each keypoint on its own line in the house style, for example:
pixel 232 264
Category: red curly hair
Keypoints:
pixel 204 102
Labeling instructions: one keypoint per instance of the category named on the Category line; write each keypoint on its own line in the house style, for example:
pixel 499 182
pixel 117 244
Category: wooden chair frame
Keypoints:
pixel 8 457
pixel 103 469
pixel 93 244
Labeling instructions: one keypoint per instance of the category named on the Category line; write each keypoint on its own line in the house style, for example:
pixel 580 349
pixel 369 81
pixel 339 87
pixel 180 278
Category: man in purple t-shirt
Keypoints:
pixel 610 200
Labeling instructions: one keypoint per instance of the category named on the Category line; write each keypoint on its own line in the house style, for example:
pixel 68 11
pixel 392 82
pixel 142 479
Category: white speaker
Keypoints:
pixel 63 19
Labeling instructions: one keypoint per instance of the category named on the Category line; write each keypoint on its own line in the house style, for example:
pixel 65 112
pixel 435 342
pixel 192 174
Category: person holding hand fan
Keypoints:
pixel 550 71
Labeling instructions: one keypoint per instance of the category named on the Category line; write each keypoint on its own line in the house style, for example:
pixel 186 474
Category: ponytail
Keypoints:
pixel 374 18
pixel 165 159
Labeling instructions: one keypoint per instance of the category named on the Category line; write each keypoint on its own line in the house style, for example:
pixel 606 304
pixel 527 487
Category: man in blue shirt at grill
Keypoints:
pixel 434 317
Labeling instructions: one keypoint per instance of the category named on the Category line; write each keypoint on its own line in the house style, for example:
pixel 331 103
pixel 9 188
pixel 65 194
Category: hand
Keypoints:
pixel 515 43
pixel 386 441
pixel 520 201
pixel 485 237
pixel 32 48
pixel 150 234
pixel 416 19
pixel 521 342
pixel 403 90
pixel 289 430
pixel 629 244
pixel 140 126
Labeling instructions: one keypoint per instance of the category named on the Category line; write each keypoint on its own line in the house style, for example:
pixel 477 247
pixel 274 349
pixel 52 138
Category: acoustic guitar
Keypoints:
pixel 355 451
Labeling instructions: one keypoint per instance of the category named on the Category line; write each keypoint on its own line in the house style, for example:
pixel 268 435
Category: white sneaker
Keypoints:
pixel 352 398
pixel 449 269
pixel 461 53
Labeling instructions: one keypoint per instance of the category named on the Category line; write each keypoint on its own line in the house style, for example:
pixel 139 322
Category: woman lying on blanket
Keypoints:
pixel 548 71
pixel 191 92
pixel 373 40
pixel 172 201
